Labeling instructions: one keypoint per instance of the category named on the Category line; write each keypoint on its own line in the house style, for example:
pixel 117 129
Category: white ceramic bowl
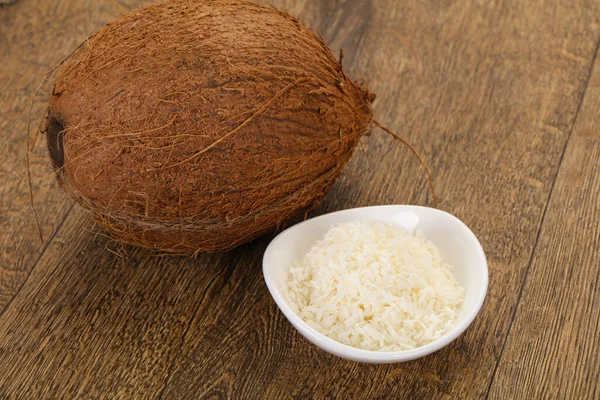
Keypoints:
pixel 457 244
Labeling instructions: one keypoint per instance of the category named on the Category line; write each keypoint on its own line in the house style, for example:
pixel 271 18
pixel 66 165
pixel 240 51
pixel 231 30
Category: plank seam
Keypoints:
pixel 185 333
pixel 537 239
pixel 44 249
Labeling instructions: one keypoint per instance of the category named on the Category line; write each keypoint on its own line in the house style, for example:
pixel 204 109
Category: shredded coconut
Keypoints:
pixel 375 287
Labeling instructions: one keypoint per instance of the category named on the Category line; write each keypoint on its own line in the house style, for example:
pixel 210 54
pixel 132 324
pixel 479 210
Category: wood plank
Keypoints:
pixel 34 37
pixel 95 326
pixel 554 345
pixel 487 92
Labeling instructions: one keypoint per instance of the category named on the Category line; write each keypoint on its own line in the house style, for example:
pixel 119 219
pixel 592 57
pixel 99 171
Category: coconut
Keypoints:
pixel 199 125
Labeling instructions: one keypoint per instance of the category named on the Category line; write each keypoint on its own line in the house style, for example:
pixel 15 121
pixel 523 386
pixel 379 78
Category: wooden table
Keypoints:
pixel 501 98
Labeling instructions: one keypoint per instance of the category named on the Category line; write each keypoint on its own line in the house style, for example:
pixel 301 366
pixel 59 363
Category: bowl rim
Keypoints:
pixel 369 356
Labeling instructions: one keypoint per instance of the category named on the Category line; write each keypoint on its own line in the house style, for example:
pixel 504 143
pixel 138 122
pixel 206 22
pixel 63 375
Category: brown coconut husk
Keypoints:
pixel 199 125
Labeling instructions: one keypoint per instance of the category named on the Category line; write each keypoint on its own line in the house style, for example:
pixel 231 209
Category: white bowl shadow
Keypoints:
pixel 457 244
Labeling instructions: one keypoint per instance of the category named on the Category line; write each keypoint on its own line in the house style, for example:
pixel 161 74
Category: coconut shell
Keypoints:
pixel 199 125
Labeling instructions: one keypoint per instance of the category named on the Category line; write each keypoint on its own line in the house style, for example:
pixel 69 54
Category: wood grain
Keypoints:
pixel 488 92
pixel 554 343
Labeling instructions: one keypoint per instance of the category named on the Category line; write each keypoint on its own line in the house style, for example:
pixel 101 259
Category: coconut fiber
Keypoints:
pixel 199 125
